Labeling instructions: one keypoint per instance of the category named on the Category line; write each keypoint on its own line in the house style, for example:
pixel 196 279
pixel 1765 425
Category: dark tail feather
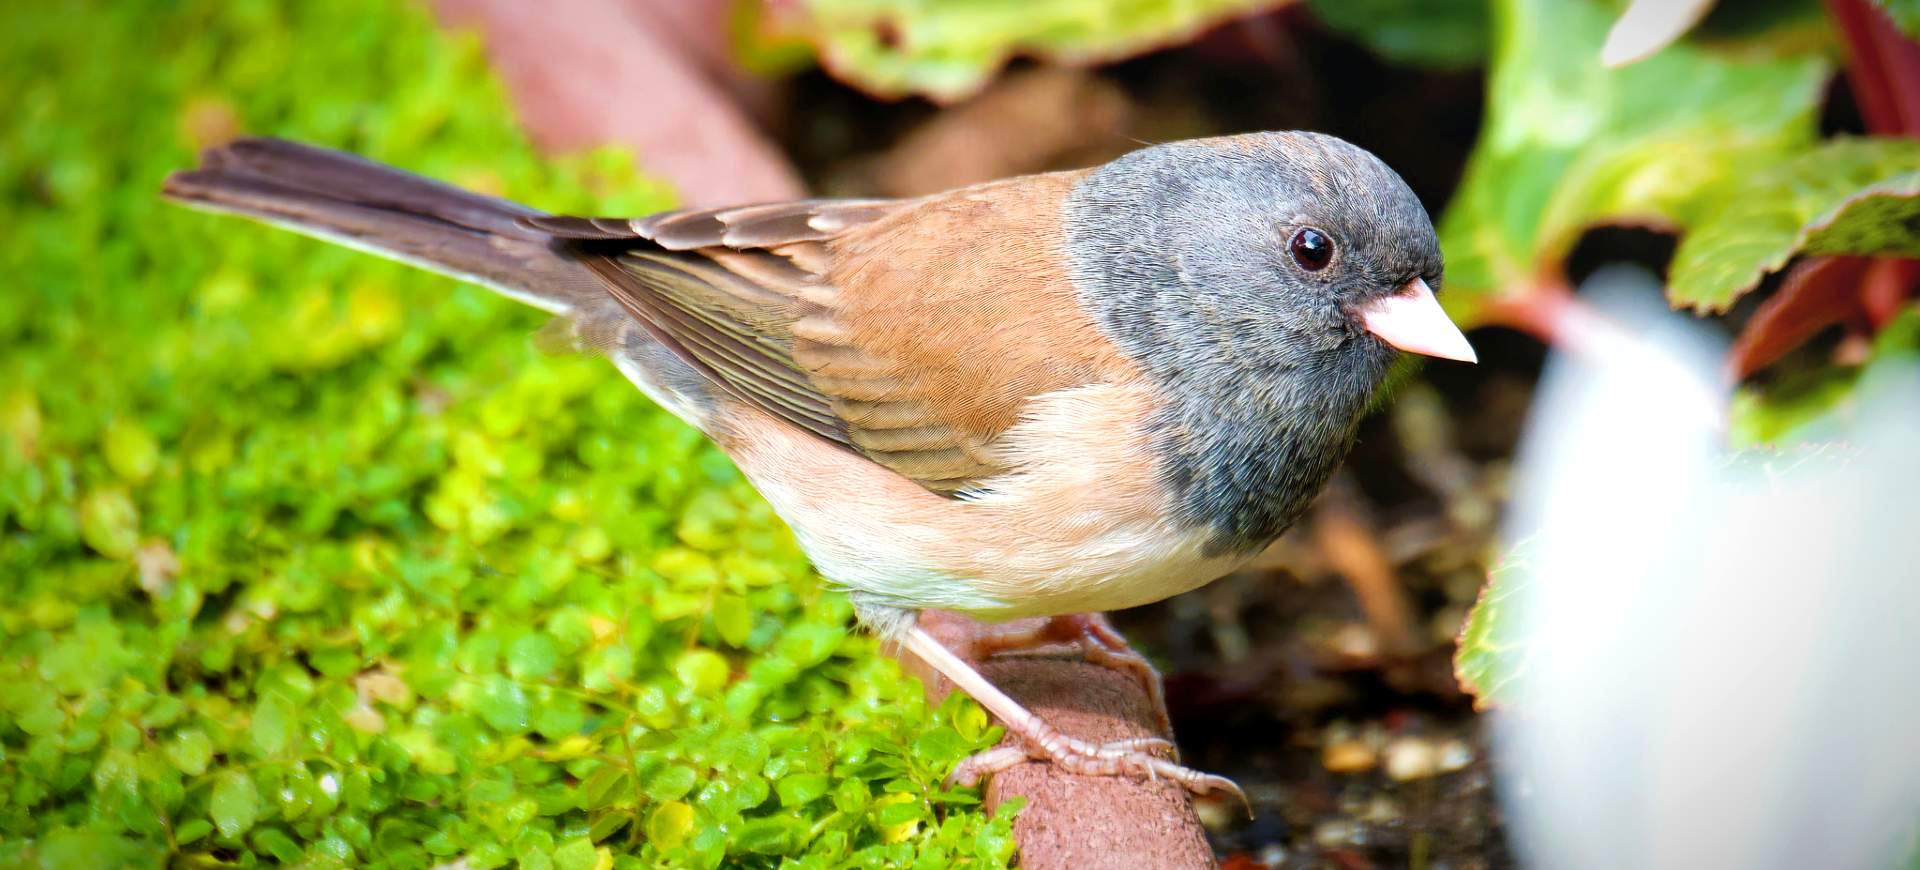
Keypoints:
pixel 365 205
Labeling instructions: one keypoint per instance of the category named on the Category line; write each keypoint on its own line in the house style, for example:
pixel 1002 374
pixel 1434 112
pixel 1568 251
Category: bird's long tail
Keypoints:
pixel 386 211
pixel 395 214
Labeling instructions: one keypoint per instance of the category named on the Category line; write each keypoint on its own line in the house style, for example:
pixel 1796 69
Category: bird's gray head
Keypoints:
pixel 1267 246
pixel 1241 273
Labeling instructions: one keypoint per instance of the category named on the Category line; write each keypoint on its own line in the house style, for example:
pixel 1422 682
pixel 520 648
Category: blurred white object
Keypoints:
pixel 1648 26
pixel 1723 665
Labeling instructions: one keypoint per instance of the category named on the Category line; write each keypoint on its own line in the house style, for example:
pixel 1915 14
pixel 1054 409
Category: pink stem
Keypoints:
pixel 1884 67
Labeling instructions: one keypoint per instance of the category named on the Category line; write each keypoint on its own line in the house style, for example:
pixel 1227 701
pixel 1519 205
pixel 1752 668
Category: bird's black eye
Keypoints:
pixel 1312 249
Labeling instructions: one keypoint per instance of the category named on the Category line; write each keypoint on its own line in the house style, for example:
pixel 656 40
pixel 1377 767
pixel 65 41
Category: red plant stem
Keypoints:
pixel 1862 293
pixel 1817 293
pixel 1886 289
pixel 1539 309
pixel 1884 67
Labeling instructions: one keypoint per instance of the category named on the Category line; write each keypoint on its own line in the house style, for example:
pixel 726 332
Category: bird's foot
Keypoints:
pixel 1099 643
pixel 1125 757
pixel 1039 740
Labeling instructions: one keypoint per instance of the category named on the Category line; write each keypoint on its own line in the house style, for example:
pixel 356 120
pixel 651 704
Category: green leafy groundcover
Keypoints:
pixel 307 559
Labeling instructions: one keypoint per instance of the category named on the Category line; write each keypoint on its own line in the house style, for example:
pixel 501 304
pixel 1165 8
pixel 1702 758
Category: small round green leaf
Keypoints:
pixel 669 824
pixel 110 523
pixel 131 451
pixel 235 805
pixel 190 751
pixel 801 789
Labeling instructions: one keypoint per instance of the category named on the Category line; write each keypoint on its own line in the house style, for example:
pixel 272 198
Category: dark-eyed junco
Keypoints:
pixel 1043 396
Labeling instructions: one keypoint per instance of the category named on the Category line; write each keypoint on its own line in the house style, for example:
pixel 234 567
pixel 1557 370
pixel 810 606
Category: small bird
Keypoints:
pixel 1046 396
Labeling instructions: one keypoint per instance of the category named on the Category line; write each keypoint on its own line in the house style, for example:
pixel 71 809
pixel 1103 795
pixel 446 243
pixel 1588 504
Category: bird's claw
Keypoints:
pixel 1134 757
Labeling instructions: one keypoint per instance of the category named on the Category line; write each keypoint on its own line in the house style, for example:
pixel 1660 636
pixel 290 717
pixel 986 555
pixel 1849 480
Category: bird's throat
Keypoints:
pixel 1248 463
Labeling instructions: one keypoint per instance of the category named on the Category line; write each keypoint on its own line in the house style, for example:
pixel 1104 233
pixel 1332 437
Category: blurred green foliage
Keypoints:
pixel 1569 143
pixel 948 50
pixel 1718 144
pixel 307 559
pixel 1905 13
pixel 1848 196
pixel 1493 650
pixel 1448 34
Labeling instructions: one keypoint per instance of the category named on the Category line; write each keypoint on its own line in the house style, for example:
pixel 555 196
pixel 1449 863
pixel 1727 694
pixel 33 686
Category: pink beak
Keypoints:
pixel 1411 320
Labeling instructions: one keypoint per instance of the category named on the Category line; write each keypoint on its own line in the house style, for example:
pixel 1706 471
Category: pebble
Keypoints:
pixel 1455 754
pixel 1346 749
pixel 1410 758
pixel 1348 756
pixel 1355 640
pixel 1332 834
pixel 1382 811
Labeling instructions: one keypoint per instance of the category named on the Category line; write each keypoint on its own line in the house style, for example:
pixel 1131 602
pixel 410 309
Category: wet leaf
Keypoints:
pixel 898 816
pixel 110 523
pixel 131 451
pixel 671 782
pixel 273 726
pixel 669 823
pixel 1569 143
pixel 744 751
pixel 948 50
pixel 20 419
pixel 190 751
pixel 1851 196
pixel 532 656
pixel 235 804
pixel 503 703
pixel 192 830
pixel 66 848
pixel 808 644
pixel 768 836
pixel 606 787
pixel 576 854
pixel 1492 648
pixel 732 619
pixel 702 673
pixel 801 789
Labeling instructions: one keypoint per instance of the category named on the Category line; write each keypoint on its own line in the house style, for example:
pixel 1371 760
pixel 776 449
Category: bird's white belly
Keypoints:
pixel 990 577
pixel 1084 526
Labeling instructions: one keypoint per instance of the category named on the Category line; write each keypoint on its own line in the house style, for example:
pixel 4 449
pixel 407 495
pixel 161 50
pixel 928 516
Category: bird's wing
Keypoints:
pixel 912 331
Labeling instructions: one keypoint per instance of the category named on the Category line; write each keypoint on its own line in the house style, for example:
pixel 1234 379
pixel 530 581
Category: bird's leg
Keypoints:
pixel 1097 640
pixel 1104 646
pixel 1042 739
